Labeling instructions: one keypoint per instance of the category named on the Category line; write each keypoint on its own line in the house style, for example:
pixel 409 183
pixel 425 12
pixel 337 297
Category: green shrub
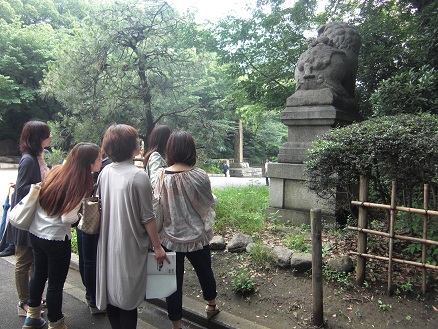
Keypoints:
pixel 413 91
pixel 402 147
pixel 242 281
pixel 211 169
pixel 55 157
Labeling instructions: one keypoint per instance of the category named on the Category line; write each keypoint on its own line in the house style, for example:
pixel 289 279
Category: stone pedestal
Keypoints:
pixel 308 114
pixel 242 169
pixel 289 198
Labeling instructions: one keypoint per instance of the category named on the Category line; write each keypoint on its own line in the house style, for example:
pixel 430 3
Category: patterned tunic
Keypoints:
pixel 188 210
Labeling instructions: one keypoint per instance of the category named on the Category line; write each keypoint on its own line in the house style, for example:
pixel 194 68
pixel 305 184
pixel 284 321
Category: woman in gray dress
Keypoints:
pixel 128 229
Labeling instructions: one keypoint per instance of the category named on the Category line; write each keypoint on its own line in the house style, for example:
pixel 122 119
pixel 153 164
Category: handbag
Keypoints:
pixel 157 206
pixel 23 214
pixel 160 278
pixel 89 215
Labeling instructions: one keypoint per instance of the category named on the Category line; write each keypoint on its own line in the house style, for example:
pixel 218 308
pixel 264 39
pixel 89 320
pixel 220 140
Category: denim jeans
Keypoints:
pixel 201 262
pixel 51 261
pixel 87 250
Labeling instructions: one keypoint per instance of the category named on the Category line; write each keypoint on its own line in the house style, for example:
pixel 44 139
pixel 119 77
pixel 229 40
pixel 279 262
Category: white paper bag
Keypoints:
pixel 161 279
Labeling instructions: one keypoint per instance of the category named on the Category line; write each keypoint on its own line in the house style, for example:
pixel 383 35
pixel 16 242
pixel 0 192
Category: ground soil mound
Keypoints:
pixel 283 299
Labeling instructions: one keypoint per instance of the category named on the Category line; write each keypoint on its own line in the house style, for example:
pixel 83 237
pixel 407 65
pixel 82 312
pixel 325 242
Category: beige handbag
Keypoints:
pixel 89 215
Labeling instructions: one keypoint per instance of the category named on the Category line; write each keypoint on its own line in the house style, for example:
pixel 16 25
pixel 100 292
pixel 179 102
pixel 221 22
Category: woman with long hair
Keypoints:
pixel 32 169
pixel 154 156
pixel 128 229
pixel 188 213
pixel 50 233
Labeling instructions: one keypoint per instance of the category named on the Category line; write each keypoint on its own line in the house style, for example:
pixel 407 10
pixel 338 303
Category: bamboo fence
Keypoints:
pixel 363 230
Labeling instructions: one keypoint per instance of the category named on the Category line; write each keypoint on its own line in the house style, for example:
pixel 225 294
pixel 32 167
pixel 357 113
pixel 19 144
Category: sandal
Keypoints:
pixel 213 312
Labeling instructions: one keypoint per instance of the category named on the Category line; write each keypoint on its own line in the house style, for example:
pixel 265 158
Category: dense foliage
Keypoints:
pixel 412 91
pixel 141 62
pixel 403 147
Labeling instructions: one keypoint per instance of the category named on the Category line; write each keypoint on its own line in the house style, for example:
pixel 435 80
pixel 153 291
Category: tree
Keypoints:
pixel 397 36
pixel 29 33
pixel 413 91
pixel 130 61
pixel 264 49
pixel 25 51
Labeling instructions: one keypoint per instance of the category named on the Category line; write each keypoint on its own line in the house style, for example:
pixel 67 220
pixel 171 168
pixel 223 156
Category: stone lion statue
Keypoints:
pixel 331 61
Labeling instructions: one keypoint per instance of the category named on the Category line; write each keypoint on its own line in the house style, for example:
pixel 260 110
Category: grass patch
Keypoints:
pixel 262 256
pixel 241 209
pixel 298 243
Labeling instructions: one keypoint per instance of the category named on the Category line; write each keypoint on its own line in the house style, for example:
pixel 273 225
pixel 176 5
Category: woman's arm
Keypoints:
pixel 155 162
pixel 160 254
pixel 72 216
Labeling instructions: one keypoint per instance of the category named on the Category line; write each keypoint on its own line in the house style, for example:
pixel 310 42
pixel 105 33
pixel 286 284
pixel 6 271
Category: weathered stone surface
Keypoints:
pixel 301 262
pixel 217 243
pixel 341 264
pixel 276 192
pixel 331 60
pixel 283 256
pixel 239 242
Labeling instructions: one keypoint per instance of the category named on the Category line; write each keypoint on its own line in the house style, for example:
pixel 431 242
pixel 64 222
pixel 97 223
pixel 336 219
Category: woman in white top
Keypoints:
pixel 153 158
pixel 50 233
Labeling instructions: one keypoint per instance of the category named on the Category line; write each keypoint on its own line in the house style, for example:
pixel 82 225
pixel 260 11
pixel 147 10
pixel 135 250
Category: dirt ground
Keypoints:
pixel 283 299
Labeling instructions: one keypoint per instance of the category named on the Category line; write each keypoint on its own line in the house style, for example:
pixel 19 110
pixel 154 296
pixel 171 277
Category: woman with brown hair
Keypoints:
pixel 154 157
pixel 127 230
pixel 50 233
pixel 32 169
pixel 188 213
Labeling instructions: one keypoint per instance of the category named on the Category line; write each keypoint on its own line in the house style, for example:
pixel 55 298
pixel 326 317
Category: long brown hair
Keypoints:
pixel 157 141
pixel 66 185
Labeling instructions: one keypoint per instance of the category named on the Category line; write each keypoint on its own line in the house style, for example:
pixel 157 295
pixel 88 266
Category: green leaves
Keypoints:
pixel 402 147
pixel 413 91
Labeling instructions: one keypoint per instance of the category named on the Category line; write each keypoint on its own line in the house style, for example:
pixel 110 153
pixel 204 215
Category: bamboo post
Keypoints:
pixel 391 235
pixel 362 237
pixel 315 221
pixel 424 245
